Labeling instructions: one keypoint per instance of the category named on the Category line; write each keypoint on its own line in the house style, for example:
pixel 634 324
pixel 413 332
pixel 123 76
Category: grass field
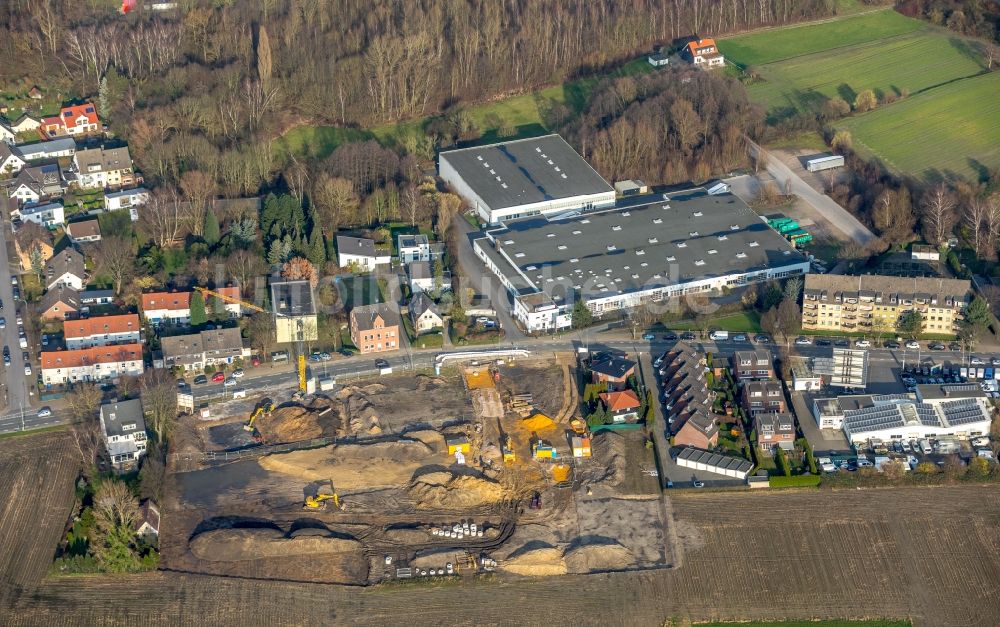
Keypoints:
pixel 952 130
pixel 775 45
pixel 814 623
pixel 909 63
pixel 744 322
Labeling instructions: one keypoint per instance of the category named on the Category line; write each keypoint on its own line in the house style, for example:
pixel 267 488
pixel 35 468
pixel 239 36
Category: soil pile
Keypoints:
pixel 542 562
pixel 590 558
pixel 608 448
pixel 230 545
pixel 538 423
pixel 353 466
pixel 294 423
pixel 447 491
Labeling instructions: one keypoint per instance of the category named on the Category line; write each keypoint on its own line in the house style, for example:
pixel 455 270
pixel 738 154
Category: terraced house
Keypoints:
pixel 874 303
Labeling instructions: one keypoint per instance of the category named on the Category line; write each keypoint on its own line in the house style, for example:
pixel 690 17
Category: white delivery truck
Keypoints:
pixel 718 336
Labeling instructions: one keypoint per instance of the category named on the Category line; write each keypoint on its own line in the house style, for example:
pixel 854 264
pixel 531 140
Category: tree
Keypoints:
pixel 581 316
pixel 976 210
pixel 865 101
pixel 153 474
pixel 938 214
pixel 793 288
pixel 910 324
pixel 84 401
pixel 244 266
pixel 115 257
pixel 198 314
pixel 317 248
pixel 977 319
pixel 211 230
pixel 85 434
pixel 115 505
pixel 788 314
pixel 161 218
pixel 198 188
pixel 300 269
pixel 159 398
pixel 260 330
pixel 264 61
pixel 37 261
pixel 892 214
pixel 842 140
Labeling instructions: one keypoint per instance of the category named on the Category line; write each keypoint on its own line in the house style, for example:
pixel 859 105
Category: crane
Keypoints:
pixel 318 502
pixel 242 303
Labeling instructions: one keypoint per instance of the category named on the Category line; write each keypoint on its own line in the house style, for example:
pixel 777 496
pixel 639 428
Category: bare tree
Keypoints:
pixel 115 257
pixel 976 210
pixel 335 200
pixel 161 218
pixel 264 62
pixel 243 266
pixel 993 224
pixel 159 400
pixel 85 434
pixel 938 213
pixel 260 328
pixel 115 505
pixel 199 188
pixel 84 401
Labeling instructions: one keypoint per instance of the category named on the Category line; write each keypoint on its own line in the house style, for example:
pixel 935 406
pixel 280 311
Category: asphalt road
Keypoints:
pixel 15 382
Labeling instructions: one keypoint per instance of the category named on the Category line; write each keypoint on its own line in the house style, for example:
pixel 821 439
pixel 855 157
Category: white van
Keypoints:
pixel 719 336
pixel 240 393
pixel 925 446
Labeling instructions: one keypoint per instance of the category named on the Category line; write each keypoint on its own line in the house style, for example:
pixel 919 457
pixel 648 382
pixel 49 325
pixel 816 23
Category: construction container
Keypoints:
pixel 544 451
pixel 326 383
pixel 581 446
pixel 787 227
pixel 775 223
pixel 457 444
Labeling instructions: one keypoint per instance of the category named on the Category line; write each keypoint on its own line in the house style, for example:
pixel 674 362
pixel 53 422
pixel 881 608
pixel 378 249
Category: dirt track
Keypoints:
pixel 930 554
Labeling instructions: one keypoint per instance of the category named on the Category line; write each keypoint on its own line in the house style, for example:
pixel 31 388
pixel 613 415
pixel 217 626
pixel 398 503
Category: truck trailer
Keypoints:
pixel 825 163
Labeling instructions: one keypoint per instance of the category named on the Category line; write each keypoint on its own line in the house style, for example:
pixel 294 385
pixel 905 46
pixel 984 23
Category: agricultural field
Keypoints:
pixel 755 49
pixel 953 130
pixel 36 484
pixel 930 555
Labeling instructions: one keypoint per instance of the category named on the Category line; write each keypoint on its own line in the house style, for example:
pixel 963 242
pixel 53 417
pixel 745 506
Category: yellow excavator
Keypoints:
pixel 318 502
pixel 264 408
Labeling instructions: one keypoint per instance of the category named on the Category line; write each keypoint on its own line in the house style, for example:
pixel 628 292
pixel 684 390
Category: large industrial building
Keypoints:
pixel 525 177
pixel 934 411
pixel 874 303
pixel 681 243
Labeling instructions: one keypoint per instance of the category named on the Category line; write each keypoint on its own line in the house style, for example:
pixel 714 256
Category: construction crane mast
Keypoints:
pixel 301 360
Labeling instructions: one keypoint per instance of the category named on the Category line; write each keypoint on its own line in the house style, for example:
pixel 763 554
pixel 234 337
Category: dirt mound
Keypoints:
pixel 427 383
pixel 353 466
pixel 230 545
pixel 542 562
pixel 598 557
pixel 538 423
pixel 294 423
pixel 445 490
pixel 608 448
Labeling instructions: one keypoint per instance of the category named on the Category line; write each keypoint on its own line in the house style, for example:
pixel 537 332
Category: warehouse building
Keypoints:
pixel 683 243
pixel 525 177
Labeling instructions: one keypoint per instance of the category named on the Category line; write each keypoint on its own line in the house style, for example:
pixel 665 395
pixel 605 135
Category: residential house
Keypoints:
pixel 83 232
pixel 11 160
pixel 762 396
pixel 413 248
pixel 753 365
pixel 7 134
pixel 611 369
pixel 97 297
pixel 124 430
pixel 775 430
pixel 658 59
pixel 197 350
pixel 126 199
pixel 73 120
pixel 25 124
pixel 35 93
pixel 925 252
pixel 59 303
pixel 622 407
pixel 65 268
pixel 49 214
pixel 422 278
pixel 98 363
pixel 374 328
pixel 24 254
pixel 704 53
pixel 233 309
pixel 147 523
pixel 423 314
pixel 102 331
pixel 53 149
pixel 294 308
pixel 700 430
pixel 359 253
pixel 167 307
pixel 35 183
pixel 101 168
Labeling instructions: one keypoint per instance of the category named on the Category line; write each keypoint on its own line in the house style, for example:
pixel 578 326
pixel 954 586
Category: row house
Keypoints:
pixel 753 365
pixel 102 331
pixel 100 363
pixel 763 396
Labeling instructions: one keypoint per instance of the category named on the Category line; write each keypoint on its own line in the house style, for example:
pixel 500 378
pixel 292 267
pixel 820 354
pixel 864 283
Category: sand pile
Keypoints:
pixel 289 424
pixel 560 473
pixel 538 423
pixel 227 545
pixel 353 466
pixel 448 491
pixel 542 562
pixel 590 558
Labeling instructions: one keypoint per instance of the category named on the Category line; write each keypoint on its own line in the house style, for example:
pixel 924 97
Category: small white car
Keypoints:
pixel 863 344
pixel 977 361
pixel 230 382
pixel 44 411
pixel 238 373
pixel 27 370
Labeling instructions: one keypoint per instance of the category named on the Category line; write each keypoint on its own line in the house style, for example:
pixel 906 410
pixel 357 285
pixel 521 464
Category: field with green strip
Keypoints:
pixel 793 41
pixel 912 62
pixel 950 130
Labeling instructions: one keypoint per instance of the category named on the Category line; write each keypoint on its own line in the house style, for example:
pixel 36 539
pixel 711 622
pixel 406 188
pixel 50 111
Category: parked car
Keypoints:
pixel 44 411
pixel 803 341
pixel 45 339
pixel 27 370
pixel 892 345
pixel 687 335
pixel 649 337
pixel 3 322
pixel 200 379
pixel 937 347
pixel 238 373
pixel 670 337
pixel 325 356
pixel 862 343
pixel 229 382
pixel 739 337
pixel 996 361
pixel 913 344
pixel 218 377
pixel 977 361
pixel 760 338
pixel 823 342
pixel 841 343
pixel 699 484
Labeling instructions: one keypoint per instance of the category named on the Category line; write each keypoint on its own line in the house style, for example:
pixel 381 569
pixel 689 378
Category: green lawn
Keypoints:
pixel 879 622
pixel 775 45
pixel 909 63
pixel 744 322
pixel 950 130
pixel 359 290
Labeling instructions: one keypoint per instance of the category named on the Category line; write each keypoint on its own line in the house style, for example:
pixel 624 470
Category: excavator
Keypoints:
pixel 207 293
pixel 318 502
pixel 265 407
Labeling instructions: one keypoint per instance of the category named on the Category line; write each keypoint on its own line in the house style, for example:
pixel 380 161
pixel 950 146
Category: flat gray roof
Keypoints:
pixel 724 462
pixel 531 170
pixel 690 236
pixel 292 298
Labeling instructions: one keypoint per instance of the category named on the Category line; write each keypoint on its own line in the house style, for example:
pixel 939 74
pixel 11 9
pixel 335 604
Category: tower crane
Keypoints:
pixel 301 358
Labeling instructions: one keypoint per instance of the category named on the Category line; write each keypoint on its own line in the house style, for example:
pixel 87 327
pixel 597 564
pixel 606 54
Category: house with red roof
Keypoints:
pixel 622 406
pixel 704 53
pixel 73 120
pixel 167 307
pixel 91 364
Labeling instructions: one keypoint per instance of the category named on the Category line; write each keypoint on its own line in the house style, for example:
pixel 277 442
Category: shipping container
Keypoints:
pixel 825 163
pixel 791 225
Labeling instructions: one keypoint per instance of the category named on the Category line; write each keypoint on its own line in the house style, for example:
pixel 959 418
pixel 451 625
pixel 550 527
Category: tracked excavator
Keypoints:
pixel 318 502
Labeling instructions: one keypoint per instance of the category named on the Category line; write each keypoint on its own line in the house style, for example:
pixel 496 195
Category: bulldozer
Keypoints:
pixel 318 502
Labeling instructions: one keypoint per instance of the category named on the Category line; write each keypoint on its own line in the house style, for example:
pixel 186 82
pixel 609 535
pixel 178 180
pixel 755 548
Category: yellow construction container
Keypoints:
pixel 560 473
pixel 544 451
pixel 457 444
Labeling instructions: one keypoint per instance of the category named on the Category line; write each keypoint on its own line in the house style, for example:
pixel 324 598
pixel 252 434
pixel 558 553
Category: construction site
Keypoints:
pixel 485 467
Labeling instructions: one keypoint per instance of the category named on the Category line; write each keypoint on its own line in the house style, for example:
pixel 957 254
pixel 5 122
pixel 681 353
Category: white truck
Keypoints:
pixel 717 336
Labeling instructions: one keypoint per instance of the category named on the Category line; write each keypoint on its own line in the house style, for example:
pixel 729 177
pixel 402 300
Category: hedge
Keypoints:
pixel 800 481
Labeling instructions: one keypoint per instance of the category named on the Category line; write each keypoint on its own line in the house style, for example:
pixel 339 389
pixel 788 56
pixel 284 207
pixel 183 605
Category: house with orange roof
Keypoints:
pixel 704 53
pixel 621 406
pixel 233 309
pixel 72 120
pixel 99 363
pixel 102 331
pixel 167 307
